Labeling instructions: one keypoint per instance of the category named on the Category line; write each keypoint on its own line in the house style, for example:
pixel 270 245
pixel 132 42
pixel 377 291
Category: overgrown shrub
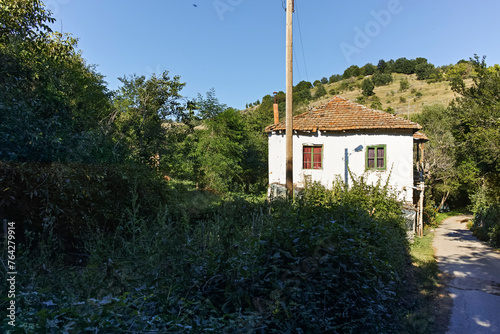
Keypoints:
pixel 333 261
pixel 486 224
pixel 70 201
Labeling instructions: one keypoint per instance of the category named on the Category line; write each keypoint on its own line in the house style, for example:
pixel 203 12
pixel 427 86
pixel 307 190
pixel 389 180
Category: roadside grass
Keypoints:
pixel 427 291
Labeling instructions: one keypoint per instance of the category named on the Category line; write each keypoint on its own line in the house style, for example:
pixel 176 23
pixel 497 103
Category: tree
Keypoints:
pixel 405 66
pixel 351 71
pixel 477 114
pixel 335 78
pixel 440 165
pixel 219 147
pixel 367 87
pixel 301 92
pixel 324 80
pixel 381 79
pixel 143 106
pixel 53 106
pixel 320 92
pixel 381 66
pixel 424 71
pixel 368 69
pixel 462 70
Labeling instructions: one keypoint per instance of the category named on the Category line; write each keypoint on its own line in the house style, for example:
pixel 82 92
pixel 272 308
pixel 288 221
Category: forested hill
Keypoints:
pixel 396 86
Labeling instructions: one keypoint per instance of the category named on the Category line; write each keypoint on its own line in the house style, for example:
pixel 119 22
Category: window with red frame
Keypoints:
pixel 312 157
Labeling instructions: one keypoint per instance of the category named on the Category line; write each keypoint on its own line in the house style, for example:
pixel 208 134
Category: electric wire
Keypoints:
pixel 301 43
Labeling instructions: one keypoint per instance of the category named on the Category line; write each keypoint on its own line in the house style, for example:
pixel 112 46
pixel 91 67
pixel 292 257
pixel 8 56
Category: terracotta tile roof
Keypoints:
pixel 420 136
pixel 341 114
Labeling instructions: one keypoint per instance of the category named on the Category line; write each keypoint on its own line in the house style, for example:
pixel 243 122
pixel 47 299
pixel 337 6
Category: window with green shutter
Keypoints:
pixel 376 157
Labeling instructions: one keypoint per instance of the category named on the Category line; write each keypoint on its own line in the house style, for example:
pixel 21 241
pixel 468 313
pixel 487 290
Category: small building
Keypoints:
pixel 342 136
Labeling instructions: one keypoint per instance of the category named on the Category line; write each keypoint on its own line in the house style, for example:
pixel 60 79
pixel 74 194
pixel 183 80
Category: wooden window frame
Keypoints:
pixel 312 156
pixel 376 157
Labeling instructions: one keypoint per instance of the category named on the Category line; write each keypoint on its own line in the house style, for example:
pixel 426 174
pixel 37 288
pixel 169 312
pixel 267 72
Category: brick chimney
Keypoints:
pixel 275 108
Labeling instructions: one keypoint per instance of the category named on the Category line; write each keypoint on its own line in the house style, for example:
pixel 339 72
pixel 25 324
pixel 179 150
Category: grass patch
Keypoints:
pixel 443 215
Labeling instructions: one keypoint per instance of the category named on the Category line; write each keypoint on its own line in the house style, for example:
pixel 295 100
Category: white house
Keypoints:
pixel 342 135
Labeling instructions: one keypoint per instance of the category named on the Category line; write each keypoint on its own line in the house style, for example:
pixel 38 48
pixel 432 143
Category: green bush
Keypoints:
pixel 486 224
pixel 404 84
pixel 333 261
pixel 67 202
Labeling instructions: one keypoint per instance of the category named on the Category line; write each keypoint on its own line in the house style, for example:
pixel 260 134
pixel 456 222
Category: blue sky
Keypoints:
pixel 238 46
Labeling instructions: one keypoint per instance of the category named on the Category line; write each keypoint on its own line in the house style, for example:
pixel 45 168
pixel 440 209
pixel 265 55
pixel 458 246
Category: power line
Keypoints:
pixel 301 44
pixel 297 64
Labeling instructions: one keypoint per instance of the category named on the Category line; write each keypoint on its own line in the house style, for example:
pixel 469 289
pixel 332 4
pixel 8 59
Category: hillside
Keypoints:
pixel 392 97
pixel 402 86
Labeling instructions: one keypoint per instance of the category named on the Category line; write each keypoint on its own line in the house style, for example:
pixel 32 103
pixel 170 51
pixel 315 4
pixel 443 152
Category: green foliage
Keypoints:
pixel 143 105
pixel 368 69
pixel 302 85
pixel 436 76
pixel 234 266
pixel 367 87
pixel 334 78
pixel 219 151
pixel 376 105
pixel 23 19
pixel 324 80
pixel 57 205
pixel 405 66
pixel 486 224
pixel 381 79
pixel 445 175
pixel 351 71
pixel 53 106
pixel 462 70
pixel 424 71
pixel 477 112
pixel 404 84
pixel 320 92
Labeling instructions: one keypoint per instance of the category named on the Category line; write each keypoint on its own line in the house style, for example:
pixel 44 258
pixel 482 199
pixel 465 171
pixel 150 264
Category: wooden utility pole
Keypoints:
pixel 289 100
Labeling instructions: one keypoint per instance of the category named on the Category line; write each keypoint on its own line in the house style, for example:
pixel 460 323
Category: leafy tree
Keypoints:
pixel 462 70
pixel 477 114
pixel 53 106
pixel 367 87
pixel 302 85
pixel 368 69
pixel 317 83
pixel 324 80
pixel 381 66
pixel 381 79
pixel 405 66
pixel 424 71
pixel 301 92
pixel 320 92
pixel 335 78
pixel 143 106
pixel 440 166
pixel 351 71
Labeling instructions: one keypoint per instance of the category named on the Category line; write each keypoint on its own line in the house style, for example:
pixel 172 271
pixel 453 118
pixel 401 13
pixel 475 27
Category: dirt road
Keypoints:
pixel 473 270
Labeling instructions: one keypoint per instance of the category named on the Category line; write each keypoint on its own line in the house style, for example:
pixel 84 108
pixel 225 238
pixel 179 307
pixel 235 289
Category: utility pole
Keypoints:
pixel 289 100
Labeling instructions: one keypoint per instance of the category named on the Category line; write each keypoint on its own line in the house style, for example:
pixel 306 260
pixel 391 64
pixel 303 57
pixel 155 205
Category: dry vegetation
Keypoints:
pixel 391 95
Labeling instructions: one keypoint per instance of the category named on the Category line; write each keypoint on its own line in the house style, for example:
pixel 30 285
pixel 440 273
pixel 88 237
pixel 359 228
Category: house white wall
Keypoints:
pixel 399 158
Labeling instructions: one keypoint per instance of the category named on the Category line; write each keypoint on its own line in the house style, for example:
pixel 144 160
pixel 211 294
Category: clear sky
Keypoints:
pixel 238 46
